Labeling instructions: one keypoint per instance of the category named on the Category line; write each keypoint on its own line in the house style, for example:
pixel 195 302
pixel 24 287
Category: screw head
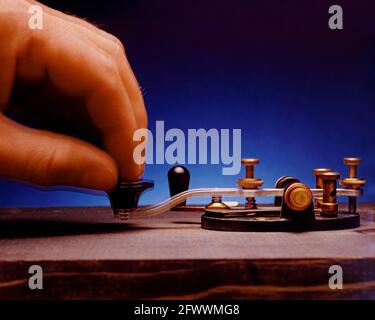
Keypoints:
pixel 330 176
pixel 298 196
pixel 352 161
pixel 249 161
pixel 319 171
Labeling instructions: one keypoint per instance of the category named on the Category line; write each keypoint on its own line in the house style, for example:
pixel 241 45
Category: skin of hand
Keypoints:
pixel 73 83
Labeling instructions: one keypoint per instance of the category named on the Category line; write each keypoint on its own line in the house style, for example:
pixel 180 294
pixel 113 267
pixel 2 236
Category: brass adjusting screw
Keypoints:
pixel 353 164
pixel 319 183
pixel 329 204
pixel 298 196
pixel 250 182
pixel 352 182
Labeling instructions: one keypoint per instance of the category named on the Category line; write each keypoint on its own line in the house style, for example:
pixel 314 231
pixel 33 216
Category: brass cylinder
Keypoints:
pixel 329 204
pixel 329 191
pixel 249 171
pixel 352 171
pixel 319 183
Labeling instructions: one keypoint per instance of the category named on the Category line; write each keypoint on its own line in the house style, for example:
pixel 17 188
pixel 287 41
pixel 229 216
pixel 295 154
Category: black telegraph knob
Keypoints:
pixel 126 195
pixel 178 179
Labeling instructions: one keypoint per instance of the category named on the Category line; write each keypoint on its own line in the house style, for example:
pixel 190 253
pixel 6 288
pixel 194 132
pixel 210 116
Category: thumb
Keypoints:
pixel 48 159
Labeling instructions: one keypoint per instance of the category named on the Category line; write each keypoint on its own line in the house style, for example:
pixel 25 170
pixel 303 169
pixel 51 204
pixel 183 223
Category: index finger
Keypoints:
pixel 78 68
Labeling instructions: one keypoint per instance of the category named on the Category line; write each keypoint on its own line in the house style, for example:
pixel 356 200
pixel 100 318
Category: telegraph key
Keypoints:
pixel 296 206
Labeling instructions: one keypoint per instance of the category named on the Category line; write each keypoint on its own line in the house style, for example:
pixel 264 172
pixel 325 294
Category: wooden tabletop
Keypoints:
pixel 86 254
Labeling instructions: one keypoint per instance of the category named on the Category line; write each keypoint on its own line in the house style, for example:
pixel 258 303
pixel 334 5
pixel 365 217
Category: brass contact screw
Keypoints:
pixel 249 163
pixel 329 204
pixel 353 164
pixel 319 183
pixel 352 182
pixel 250 182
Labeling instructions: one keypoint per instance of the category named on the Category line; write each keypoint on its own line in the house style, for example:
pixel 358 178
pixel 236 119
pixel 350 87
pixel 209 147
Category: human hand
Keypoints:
pixel 74 82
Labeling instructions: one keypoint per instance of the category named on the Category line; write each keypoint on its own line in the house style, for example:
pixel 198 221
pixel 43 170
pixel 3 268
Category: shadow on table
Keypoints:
pixel 37 229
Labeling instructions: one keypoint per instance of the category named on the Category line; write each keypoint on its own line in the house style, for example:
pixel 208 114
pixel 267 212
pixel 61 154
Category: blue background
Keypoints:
pixel 302 94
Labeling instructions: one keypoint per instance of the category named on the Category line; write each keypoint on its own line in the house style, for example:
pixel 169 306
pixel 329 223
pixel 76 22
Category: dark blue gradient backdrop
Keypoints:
pixel 302 94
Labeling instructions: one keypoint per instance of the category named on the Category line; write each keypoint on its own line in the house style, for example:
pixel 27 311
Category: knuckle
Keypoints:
pixel 110 74
pixel 118 46
pixel 110 65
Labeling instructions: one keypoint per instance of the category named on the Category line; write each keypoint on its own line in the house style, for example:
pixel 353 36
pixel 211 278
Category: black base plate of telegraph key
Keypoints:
pixel 213 220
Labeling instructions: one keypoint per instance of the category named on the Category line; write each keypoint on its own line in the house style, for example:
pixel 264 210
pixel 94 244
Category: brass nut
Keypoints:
pixel 353 183
pixel 298 196
pixel 249 183
pixel 217 203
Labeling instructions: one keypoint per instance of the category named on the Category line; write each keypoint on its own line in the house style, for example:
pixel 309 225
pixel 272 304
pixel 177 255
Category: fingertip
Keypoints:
pixel 99 180
pixel 131 173
pixel 102 174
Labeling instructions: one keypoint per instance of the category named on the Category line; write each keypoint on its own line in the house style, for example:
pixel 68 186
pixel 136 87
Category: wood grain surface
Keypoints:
pixel 86 254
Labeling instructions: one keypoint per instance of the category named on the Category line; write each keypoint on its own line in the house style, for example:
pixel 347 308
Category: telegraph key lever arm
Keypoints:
pixel 153 210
